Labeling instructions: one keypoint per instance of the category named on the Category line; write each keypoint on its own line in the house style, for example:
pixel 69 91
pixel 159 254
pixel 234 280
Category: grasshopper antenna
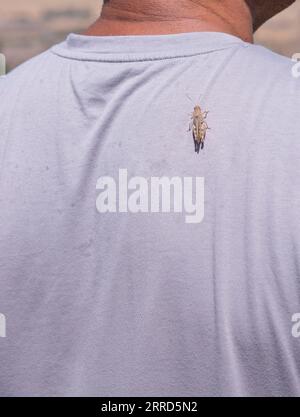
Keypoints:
pixel 189 97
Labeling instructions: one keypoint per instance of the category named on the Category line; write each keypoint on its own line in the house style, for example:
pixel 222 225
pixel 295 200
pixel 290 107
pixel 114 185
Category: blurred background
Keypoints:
pixel 29 27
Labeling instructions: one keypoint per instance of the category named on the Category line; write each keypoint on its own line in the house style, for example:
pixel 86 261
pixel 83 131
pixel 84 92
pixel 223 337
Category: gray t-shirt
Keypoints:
pixel 131 265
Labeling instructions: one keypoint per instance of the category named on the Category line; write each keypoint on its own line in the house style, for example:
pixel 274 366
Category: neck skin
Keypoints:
pixel 160 17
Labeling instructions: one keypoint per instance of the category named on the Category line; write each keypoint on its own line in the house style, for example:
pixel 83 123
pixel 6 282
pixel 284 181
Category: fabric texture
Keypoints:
pixel 144 303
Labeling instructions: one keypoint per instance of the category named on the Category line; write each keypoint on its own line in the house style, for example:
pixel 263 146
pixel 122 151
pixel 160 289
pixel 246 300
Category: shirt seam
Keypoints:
pixel 55 50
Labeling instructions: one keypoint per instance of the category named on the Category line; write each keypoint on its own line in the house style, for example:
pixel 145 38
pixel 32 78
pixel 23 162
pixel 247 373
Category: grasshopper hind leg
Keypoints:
pixel 197 146
pixel 196 143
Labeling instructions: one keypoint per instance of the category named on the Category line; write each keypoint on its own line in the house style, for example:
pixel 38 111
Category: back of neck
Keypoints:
pixel 159 17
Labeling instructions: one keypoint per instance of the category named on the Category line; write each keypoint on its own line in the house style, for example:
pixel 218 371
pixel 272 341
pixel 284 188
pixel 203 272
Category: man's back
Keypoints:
pixel 129 264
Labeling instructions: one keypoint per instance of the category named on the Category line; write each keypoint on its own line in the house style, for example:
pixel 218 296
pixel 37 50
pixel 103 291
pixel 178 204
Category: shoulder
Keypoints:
pixel 27 83
pixel 26 73
pixel 267 68
pixel 267 81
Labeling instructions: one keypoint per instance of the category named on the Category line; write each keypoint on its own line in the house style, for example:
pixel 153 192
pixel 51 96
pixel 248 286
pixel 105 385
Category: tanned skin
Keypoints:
pixel 158 17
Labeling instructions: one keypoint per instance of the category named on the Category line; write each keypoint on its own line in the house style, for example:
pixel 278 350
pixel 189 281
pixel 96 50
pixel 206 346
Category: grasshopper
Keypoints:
pixel 199 127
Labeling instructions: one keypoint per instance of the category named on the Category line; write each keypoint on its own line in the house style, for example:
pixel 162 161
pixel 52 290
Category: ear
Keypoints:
pixel 263 10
